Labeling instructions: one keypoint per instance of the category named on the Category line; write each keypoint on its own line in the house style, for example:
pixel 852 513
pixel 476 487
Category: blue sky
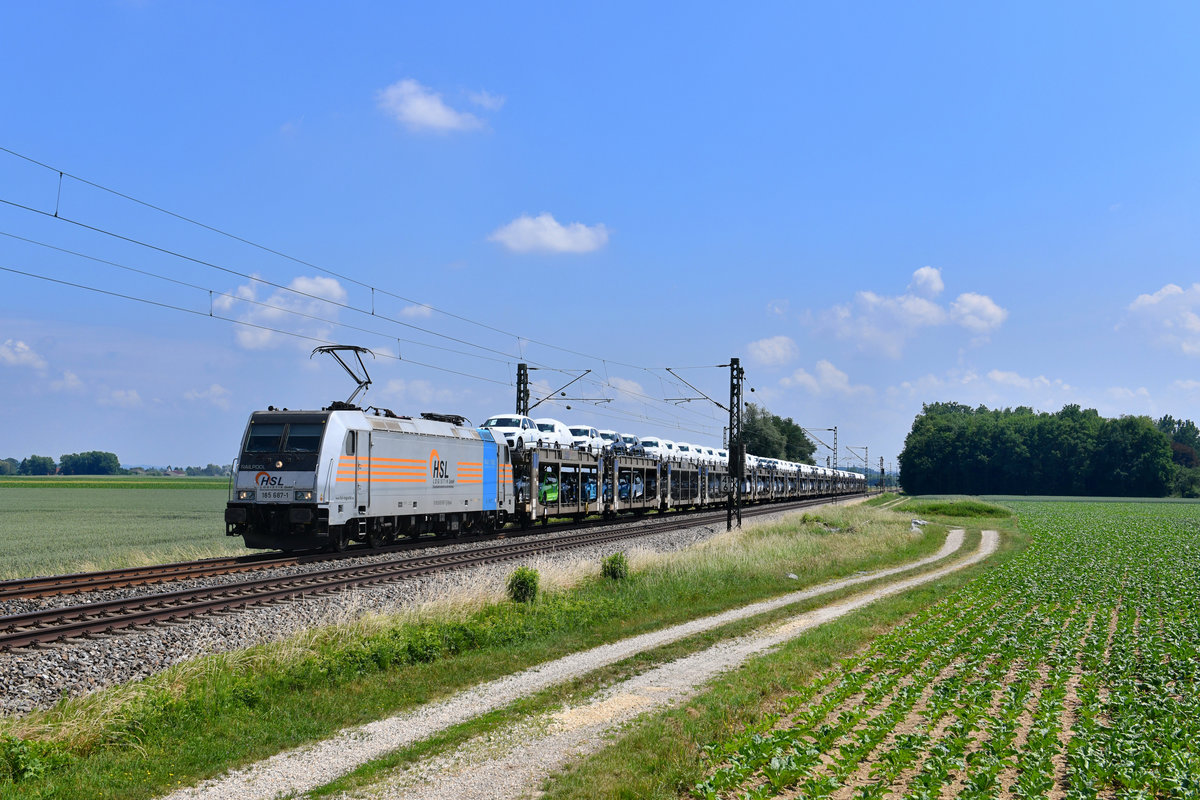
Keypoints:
pixel 873 206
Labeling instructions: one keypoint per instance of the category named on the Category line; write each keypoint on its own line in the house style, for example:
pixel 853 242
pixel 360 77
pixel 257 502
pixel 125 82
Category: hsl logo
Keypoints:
pixel 439 470
pixel 437 467
pixel 265 479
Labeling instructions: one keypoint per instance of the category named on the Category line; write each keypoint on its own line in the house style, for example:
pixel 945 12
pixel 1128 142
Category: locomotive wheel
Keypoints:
pixel 377 538
pixel 338 540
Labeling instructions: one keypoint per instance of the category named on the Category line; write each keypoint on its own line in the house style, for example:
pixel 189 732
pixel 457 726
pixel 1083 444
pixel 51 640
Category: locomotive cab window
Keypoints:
pixel 303 437
pixel 264 437
pixel 348 448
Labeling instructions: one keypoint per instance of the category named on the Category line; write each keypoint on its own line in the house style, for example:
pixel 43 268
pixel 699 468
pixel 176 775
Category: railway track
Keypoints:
pixel 160 574
pixel 91 619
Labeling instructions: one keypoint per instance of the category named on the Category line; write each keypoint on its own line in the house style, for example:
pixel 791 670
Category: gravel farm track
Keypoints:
pixel 513 763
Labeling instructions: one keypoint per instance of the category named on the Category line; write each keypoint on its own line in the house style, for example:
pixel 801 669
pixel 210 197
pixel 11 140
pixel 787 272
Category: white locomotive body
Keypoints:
pixel 308 479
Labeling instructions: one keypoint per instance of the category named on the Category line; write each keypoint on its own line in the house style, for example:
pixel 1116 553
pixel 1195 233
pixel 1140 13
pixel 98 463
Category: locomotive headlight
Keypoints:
pixel 245 494
pixel 304 496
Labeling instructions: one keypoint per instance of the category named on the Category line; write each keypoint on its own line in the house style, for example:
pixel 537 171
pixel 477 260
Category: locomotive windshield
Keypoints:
pixel 264 437
pixel 303 438
pixel 287 440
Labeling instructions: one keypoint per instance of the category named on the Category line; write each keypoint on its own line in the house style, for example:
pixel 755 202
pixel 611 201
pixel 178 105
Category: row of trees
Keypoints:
pixel 955 449
pixel 1185 454
pixel 770 436
pixel 93 462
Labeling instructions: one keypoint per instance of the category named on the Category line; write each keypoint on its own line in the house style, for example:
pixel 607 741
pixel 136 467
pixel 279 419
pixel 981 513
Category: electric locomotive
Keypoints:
pixel 321 479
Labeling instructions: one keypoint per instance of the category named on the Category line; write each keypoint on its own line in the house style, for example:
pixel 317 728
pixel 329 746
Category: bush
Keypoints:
pixel 523 585
pixel 615 566
pixel 22 760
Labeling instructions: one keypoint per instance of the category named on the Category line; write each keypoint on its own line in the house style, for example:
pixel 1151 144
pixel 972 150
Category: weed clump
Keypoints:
pixel 956 508
pixel 615 567
pixel 22 760
pixel 523 585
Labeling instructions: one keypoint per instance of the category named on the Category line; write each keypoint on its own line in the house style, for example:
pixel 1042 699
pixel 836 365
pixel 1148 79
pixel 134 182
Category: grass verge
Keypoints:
pixel 199 719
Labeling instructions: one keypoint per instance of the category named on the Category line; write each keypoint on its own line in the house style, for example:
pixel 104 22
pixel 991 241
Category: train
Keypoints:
pixel 344 474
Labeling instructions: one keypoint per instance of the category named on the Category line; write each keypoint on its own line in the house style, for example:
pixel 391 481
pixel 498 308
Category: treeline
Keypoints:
pixel 955 449
pixel 770 436
pixel 93 462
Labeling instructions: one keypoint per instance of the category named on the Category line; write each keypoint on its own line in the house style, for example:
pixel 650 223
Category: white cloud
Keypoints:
pixel 421 109
pixel 927 281
pixel 304 308
pixel 14 353
pixel 826 379
pixel 779 307
pixel 69 383
pixel 625 386
pixel 485 99
pixel 1171 316
pixel 1187 386
pixel 216 394
pixel 1016 380
pixel 121 398
pixel 773 352
pixel 928 387
pixel 884 323
pixel 1163 295
pixel 416 311
pixel 1130 400
pixel 977 312
pixel 543 233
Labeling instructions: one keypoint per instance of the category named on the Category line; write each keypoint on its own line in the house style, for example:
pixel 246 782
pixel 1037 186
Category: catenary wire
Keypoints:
pixel 256 279
pixel 243 323
pixel 264 248
pixel 507 356
pixel 219 293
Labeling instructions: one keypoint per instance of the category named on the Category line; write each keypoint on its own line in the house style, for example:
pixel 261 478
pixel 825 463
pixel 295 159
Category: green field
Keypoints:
pixel 57 525
pixel 111 482
pixel 1071 668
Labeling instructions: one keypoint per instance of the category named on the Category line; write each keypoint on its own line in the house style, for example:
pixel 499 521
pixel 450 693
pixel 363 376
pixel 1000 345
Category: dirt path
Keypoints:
pixel 487 770
pixel 531 754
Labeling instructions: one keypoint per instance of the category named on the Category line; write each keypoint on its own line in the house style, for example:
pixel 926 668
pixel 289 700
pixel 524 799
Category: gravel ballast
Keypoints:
pixel 32 678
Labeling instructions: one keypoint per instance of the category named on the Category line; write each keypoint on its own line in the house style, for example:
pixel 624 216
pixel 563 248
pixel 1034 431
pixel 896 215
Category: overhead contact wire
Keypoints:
pixel 235 321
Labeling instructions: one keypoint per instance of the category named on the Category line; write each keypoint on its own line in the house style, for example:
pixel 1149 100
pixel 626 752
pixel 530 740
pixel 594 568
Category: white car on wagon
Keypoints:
pixel 554 433
pixel 515 430
pixel 587 438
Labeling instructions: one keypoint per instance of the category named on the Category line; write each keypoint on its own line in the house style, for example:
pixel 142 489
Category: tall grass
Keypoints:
pixel 955 508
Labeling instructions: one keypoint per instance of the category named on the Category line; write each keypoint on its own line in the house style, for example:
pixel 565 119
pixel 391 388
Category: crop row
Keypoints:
pixel 1072 667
